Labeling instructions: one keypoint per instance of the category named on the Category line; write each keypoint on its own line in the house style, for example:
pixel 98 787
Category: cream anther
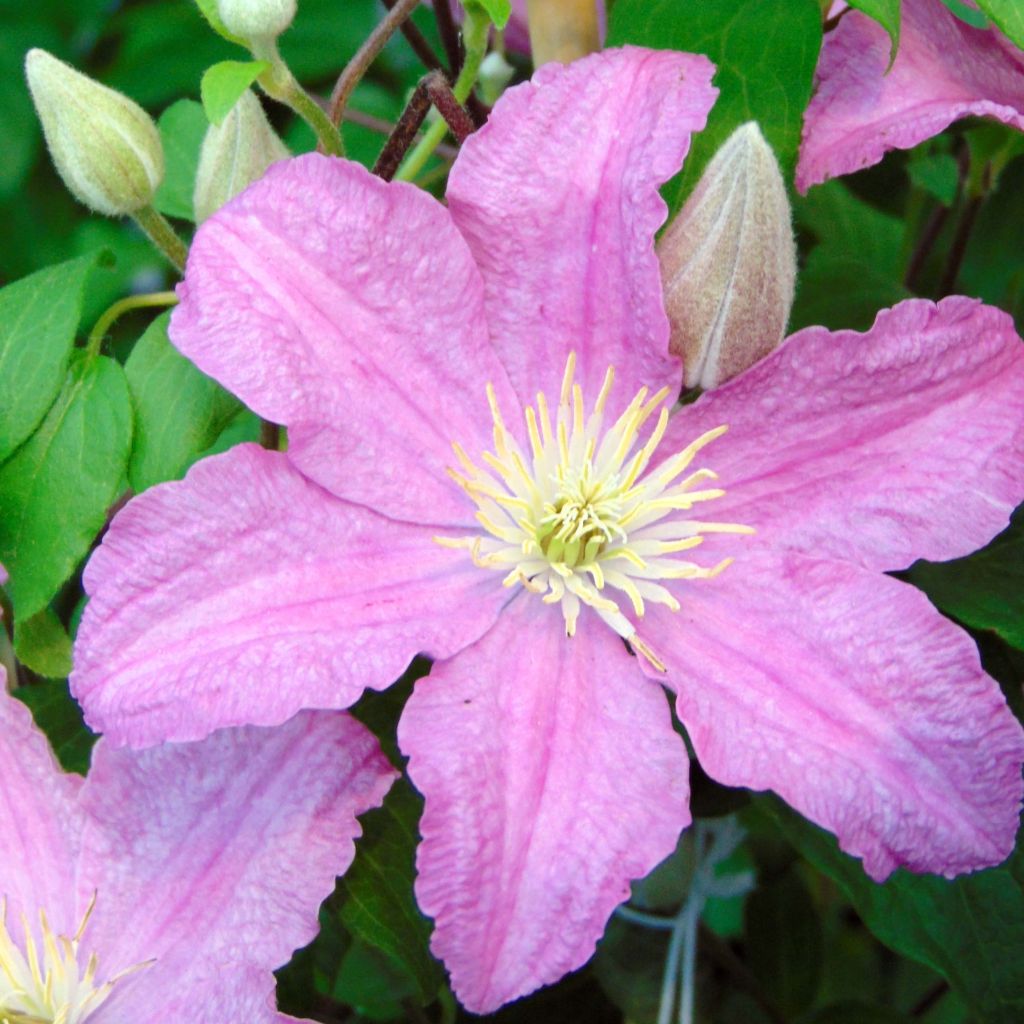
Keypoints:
pixel 575 519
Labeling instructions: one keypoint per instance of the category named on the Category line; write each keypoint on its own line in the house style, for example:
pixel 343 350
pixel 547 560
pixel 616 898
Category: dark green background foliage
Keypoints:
pixel 815 942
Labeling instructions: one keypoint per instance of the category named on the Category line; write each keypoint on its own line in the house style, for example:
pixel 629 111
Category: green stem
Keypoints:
pixel 475 30
pixel 280 84
pixel 118 309
pixel 162 235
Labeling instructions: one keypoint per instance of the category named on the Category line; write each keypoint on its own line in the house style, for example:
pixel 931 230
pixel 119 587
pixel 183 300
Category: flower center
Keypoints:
pixel 46 986
pixel 579 520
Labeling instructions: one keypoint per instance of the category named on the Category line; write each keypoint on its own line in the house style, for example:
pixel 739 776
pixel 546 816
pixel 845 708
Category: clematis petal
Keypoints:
pixel 552 777
pixel 850 696
pixel 904 442
pixel 215 856
pixel 945 70
pixel 245 592
pixel 43 823
pixel 348 309
pixel 558 198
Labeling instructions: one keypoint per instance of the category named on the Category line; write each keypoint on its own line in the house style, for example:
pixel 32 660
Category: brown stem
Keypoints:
pixel 378 124
pixel 367 54
pixel 440 92
pixel 404 132
pixel 959 246
pixel 449 36
pixel 925 244
pixel 415 38
pixel 929 999
pixel 433 88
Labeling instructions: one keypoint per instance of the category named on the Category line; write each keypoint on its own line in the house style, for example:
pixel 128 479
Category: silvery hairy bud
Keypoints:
pixel 235 153
pixel 256 19
pixel 728 263
pixel 105 147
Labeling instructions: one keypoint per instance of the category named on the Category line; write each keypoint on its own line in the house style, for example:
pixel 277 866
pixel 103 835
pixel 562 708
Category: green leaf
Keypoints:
pixel 224 83
pixel 970 930
pixel 179 411
pixel 1008 15
pixel 765 65
pixel 887 14
pixel 56 489
pixel 379 907
pixel 984 590
pixel 43 644
pixel 59 717
pixel 39 316
pixel 855 269
pixel 935 173
pixel 371 983
pixel 182 128
pixel 968 15
pixel 499 11
pixel 784 942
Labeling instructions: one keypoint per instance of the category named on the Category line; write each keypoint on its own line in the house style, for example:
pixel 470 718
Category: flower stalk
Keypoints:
pixel 475 31
pixel 117 310
pixel 159 231
pixel 280 84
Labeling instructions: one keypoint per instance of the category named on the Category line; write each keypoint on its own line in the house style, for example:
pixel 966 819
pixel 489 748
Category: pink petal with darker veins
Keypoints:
pixel 245 592
pixel 904 442
pixel 213 858
pixel 348 309
pixel 945 70
pixel 42 827
pixel 552 777
pixel 558 198
pixel 850 696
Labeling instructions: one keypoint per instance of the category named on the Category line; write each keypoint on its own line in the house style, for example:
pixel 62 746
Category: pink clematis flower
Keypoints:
pixel 467 477
pixel 944 70
pixel 168 884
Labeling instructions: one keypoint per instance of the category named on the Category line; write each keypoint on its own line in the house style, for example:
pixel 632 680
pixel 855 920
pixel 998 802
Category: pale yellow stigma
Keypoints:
pixel 578 520
pixel 45 984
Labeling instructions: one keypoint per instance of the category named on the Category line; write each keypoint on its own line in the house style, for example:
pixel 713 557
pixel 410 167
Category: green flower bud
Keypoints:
pixel 235 153
pixel 105 147
pixel 728 263
pixel 256 19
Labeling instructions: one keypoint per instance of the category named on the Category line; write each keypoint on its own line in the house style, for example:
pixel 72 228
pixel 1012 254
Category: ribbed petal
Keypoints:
pixel 42 823
pixel 904 442
pixel 552 777
pixel 849 695
pixel 558 198
pixel 348 309
pixel 213 858
pixel 945 70
pixel 245 592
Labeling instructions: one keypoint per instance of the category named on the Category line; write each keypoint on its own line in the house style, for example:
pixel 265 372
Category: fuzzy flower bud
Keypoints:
pixel 235 153
pixel 105 147
pixel 728 263
pixel 256 19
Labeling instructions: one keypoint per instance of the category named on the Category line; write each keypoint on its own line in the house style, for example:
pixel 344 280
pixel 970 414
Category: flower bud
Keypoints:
pixel 105 147
pixel 235 153
pixel 563 30
pixel 728 263
pixel 256 19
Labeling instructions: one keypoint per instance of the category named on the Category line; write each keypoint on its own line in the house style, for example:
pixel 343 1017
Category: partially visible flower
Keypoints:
pixel 105 147
pixel 234 154
pixel 169 884
pixel 482 466
pixel 944 70
pixel 517 31
pixel 728 263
